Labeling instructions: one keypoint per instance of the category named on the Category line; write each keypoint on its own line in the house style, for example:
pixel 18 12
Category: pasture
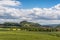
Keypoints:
pixel 28 35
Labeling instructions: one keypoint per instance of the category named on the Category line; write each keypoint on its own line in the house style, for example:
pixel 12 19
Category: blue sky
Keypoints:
pixel 40 11
pixel 38 3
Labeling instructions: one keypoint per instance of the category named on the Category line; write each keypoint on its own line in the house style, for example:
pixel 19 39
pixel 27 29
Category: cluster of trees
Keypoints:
pixel 11 24
pixel 30 26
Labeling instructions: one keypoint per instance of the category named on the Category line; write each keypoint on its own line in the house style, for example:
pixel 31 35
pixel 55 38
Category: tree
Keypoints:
pixel 29 24
pixel 11 24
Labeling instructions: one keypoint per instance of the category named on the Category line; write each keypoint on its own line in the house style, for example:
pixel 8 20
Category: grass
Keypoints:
pixel 26 35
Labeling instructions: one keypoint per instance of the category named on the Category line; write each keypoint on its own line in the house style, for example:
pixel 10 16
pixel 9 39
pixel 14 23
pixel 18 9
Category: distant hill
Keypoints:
pixel 58 26
pixel 51 25
pixel 29 24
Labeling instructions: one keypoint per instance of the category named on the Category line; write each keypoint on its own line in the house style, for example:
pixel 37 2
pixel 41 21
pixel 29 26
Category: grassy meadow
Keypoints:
pixel 28 35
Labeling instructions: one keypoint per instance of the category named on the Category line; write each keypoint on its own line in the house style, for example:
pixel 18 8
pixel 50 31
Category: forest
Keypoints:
pixel 29 26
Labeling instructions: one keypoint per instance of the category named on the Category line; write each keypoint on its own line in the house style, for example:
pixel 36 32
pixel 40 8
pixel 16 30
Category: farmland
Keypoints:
pixel 29 35
pixel 28 31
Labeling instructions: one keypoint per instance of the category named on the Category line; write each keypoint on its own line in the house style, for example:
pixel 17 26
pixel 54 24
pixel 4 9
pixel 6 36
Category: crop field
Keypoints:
pixel 29 35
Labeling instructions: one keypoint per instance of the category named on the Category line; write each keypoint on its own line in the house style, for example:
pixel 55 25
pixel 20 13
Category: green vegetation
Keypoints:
pixel 26 35
pixel 29 26
pixel 28 31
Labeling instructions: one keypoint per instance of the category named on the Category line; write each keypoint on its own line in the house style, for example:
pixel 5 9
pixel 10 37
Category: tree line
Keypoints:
pixel 29 26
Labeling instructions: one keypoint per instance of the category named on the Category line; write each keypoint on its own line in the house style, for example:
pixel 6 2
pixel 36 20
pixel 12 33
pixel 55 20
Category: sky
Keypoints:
pixel 38 11
pixel 39 3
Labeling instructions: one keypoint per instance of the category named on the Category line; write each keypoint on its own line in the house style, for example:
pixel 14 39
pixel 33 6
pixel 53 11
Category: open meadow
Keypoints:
pixel 29 35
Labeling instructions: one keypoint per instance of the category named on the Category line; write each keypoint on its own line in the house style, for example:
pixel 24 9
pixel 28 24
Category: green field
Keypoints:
pixel 25 35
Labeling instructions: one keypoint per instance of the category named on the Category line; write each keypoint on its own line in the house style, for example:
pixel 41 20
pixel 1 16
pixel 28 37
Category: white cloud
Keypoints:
pixel 43 15
pixel 57 7
pixel 5 10
pixel 49 15
pixel 9 3
pixel 7 0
